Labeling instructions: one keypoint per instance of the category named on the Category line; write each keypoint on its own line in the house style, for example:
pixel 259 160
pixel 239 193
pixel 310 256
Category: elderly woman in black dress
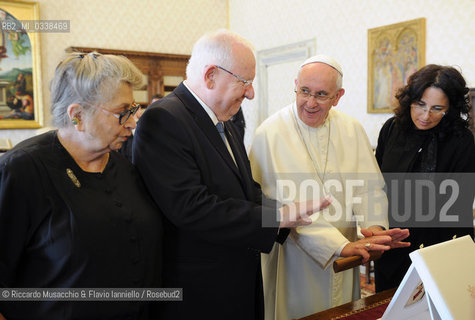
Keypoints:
pixel 74 214
pixel 427 137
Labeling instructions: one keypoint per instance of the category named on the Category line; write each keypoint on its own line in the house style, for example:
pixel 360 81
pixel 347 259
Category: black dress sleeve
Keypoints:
pixel 462 162
pixel 463 157
pixel 21 207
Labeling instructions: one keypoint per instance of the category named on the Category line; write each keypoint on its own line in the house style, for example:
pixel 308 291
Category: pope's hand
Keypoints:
pixel 363 246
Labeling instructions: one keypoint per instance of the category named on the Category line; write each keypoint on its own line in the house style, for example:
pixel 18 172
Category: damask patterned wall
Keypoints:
pixel 169 26
pixel 340 29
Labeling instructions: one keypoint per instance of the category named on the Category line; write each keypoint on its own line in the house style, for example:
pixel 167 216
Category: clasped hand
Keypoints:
pixel 376 239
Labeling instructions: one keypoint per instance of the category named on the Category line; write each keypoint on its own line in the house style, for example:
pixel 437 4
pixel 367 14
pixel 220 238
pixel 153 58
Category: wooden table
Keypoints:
pixel 354 308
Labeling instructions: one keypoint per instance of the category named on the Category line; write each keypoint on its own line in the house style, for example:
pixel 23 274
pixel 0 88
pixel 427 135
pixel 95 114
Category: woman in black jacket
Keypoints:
pixel 428 137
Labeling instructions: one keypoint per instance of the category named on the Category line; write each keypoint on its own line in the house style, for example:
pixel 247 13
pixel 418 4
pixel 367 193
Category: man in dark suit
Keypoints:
pixel 217 222
pixel 240 123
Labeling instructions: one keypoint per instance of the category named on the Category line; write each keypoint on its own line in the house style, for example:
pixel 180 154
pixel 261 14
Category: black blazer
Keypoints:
pixel 126 148
pixel 214 212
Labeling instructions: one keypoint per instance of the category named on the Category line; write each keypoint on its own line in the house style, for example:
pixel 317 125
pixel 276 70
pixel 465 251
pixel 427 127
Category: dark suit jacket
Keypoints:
pixel 126 148
pixel 213 233
pixel 240 123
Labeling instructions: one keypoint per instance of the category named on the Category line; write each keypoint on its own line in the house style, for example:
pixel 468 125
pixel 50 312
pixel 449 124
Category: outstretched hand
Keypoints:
pixel 298 213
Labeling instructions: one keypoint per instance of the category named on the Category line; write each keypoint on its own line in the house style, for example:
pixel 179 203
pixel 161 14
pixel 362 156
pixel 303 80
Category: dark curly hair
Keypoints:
pixel 451 82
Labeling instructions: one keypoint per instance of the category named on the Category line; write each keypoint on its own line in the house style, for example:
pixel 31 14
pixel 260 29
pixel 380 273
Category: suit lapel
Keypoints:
pixel 240 156
pixel 206 125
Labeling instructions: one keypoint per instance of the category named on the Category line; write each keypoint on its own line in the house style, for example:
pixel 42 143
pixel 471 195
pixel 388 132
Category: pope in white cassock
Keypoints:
pixel 305 151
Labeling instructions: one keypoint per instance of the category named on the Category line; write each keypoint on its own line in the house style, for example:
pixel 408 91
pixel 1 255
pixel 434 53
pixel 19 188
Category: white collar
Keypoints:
pixel 205 107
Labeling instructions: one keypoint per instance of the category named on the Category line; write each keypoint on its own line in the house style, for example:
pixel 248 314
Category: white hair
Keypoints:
pixel 214 48
pixel 89 79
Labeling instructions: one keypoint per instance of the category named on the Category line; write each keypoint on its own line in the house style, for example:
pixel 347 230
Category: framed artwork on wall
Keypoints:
pixel 20 87
pixel 394 53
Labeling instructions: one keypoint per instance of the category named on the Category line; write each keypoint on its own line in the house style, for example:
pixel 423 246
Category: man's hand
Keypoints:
pixel 298 213
pixel 396 235
pixel 376 239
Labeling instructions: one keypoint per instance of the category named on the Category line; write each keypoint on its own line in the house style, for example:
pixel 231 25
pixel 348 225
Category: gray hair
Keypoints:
pixel 89 79
pixel 339 81
pixel 214 49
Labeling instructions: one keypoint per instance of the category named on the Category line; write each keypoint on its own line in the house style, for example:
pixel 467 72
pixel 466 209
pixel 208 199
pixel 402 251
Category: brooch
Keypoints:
pixel 73 177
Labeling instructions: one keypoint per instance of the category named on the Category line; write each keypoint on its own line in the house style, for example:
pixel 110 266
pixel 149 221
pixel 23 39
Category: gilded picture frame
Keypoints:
pixel 394 53
pixel 21 103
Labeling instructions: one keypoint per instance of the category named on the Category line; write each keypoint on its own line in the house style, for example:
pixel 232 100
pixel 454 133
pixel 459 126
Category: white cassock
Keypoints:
pixel 295 162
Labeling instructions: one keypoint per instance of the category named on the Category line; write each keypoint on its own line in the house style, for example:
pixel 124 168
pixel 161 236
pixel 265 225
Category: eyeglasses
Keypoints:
pixel 423 108
pixel 124 115
pixel 245 83
pixel 320 97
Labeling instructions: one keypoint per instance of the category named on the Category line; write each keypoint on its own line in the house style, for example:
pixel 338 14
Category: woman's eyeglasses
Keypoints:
pixel 124 115
pixel 423 108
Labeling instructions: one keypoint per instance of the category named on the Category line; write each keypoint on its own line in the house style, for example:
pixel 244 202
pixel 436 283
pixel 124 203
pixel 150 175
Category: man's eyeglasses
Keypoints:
pixel 320 97
pixel 245 83
pixel 423 108
pixel 124 115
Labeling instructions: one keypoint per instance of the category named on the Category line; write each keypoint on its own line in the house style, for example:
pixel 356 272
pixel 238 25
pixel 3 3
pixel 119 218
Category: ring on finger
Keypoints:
pixel 367 245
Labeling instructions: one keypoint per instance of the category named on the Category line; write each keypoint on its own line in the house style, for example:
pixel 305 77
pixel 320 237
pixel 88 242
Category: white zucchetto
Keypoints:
pixel 323 59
